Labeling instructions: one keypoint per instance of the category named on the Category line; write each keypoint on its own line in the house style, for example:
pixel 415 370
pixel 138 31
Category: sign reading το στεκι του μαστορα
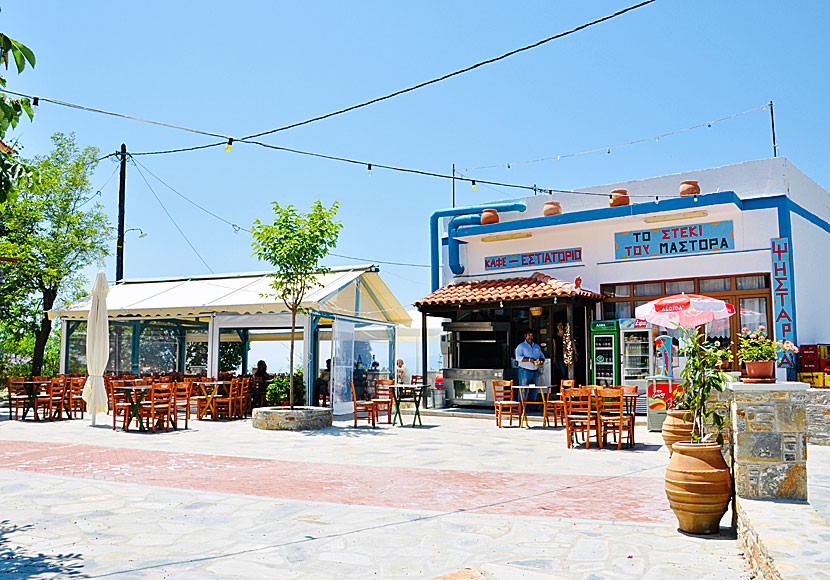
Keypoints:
pixel 675 240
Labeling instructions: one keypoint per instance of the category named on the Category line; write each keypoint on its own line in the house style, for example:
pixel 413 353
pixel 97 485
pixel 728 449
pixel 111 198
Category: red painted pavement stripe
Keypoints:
pixel 633 499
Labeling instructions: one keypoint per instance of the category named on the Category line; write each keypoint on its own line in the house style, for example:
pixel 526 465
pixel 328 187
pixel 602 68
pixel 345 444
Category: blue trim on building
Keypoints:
pixel 605 213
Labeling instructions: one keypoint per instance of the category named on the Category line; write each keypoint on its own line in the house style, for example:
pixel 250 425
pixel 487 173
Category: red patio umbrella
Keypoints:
pixel 686 310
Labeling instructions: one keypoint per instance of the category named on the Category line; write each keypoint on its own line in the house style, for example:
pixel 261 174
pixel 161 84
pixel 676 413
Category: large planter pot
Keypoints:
pixel 552 208
pixel 760 369
pixel 489 216
pixel 677 427
pixel 698 486
pixel 619 197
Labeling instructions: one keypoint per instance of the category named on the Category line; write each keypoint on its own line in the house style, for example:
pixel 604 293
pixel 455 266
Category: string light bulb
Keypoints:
pixel 229 145
pixel 35 101
pixel 695 198
pixel 609 151
pixel 369 169
pixel 474 185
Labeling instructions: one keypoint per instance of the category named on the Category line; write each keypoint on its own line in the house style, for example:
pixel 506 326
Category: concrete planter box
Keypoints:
pixel 287 419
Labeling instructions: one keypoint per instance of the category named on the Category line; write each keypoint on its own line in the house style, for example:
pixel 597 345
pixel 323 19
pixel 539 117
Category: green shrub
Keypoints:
pixel 277 392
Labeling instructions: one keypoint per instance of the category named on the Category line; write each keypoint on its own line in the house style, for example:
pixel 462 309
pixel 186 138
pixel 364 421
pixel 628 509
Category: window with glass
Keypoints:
pixel 749 292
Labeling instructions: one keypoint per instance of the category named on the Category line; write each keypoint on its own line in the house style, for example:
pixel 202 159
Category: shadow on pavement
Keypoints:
pixel 18 563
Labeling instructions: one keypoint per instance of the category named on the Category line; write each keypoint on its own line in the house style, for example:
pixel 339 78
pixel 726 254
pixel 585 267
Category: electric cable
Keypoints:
pixel 195 251
pixel 455 73
pixel 237 228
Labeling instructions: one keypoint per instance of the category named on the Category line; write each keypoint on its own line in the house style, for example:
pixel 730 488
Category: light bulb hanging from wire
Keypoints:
pixel 229 145
pixel 369 169
pixel 474 185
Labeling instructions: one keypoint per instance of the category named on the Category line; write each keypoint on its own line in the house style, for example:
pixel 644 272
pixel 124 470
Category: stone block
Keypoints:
pixel 773 481
pixel 760 418
pixel 790 418
pixel 758 447
pixel 286 419
pixel 752 397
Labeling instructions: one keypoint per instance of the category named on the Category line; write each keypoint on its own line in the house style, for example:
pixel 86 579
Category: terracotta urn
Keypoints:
pixel 489 216
pixel 677 427
pixel 619 197
pixel 698 486
pixel 760 369
pixel 689 188
pixel 552 208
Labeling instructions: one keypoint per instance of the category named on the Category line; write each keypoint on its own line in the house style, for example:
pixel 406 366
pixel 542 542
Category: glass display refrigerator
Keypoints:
pixel 605 353
pixel 637 357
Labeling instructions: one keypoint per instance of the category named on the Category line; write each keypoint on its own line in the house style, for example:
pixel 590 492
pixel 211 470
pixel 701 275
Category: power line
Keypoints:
pixel 150 187
pixel 453 74
pixel 100 189
pixel 339 111
pixel 238 228
pixel 608 149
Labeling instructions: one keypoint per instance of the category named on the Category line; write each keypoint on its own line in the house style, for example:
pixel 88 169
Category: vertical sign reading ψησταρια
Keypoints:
pixel 782 297
pixel 530 259
pixel 675 240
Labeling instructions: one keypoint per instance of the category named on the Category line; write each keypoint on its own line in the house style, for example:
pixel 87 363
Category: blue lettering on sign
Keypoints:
pixel 782 296
pixel 675 240
pixel 530 259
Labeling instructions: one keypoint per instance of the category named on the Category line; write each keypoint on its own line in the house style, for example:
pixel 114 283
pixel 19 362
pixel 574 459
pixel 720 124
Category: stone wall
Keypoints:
pixel 296 419
pixel 818 416
pixel 769 424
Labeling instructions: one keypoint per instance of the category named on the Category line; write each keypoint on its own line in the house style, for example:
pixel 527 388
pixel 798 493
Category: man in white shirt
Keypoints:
pixel 402 375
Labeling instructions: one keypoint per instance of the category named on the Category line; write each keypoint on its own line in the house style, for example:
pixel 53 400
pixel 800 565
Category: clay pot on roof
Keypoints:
pixel 552 208
pixel 689 188
pixel 489 216
pixel 619 197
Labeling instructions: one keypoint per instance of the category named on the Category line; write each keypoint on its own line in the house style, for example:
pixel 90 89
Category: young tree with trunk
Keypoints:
pixel 295 244
pixel 53 238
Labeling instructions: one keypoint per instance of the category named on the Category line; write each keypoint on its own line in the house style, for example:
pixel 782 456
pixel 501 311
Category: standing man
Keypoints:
pixel 530 358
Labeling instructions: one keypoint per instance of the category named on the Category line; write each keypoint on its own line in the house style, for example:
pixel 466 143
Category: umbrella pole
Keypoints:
pixel 94 414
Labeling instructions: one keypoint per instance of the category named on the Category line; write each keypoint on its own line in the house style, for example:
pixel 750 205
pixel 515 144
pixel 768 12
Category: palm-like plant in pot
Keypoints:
pixel 698 484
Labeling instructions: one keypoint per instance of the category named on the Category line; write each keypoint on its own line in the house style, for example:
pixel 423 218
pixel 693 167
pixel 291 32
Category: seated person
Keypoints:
pixel 402 374
pixel 259 384
pixel 321 384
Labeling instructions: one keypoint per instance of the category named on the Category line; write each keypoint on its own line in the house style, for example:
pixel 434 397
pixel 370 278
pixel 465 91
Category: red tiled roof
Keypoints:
pixel 536 286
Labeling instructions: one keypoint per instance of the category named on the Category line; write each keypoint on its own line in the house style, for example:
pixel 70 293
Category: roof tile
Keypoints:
pixel 537 285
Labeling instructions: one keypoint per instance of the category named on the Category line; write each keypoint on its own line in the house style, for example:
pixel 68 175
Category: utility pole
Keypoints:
pixel 119 248
pixel 772 120
pixel 453 184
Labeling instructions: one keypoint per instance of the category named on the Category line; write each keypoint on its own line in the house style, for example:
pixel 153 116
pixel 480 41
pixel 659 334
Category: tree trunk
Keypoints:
pixel 42 335
pixel 291 360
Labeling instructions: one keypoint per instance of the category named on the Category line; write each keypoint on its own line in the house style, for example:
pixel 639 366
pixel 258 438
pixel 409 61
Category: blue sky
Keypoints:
pixel 250 66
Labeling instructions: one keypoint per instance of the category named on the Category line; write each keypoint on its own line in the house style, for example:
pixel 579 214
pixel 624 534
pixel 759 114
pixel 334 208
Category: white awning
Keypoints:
pixel 352 290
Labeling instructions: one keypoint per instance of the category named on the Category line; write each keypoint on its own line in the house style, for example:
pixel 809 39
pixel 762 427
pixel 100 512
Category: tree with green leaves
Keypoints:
pixel 53 238
pixel 295 244
pixel 13 172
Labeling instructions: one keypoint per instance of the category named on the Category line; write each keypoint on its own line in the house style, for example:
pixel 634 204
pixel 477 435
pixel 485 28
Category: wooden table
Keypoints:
pixel 397 399
pixel 140 392
pixel 32 387
pixel 209 396
pixel 522 389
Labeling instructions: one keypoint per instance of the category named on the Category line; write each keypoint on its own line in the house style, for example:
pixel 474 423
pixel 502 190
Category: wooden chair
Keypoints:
pixel 225 403
pixel 75 396
pixel 630 404
pixel 243 409
pixel 554 407
pixel 416 380
pixel 50 398
pixel 180 404
pixel 579 415
pixel 383 397
pixel 612 418
pixel 503 400
pixel 118 402
pixel 364 406
pixel 567 384
pixel 17 395
pixel 157 409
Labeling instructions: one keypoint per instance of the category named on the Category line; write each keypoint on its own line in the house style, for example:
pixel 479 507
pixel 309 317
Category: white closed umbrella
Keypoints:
pixel 97 348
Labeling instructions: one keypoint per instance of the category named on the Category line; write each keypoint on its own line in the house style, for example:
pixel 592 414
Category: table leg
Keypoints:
pixel 397 395
pixel 31 395
pixel 135 403
pixel 523 416
pixel 417 407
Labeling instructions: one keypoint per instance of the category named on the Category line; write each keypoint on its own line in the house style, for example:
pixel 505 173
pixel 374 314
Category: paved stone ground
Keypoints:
pixel 224 500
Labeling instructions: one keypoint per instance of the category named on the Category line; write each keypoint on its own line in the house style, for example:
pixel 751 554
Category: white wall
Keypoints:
pixel 811 246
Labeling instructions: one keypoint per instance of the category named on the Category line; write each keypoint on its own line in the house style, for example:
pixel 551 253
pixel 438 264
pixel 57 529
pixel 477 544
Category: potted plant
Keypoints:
pixel 758 352
pixel 698 484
